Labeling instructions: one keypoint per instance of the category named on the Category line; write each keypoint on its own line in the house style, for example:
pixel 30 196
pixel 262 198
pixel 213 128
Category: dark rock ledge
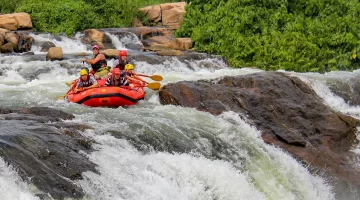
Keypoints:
pixel 45 150
pixel 287 112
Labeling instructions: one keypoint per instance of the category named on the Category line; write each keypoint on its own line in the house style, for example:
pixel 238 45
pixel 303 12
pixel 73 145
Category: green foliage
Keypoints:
pixel 293 35
pixel 69 16
pixel 9 6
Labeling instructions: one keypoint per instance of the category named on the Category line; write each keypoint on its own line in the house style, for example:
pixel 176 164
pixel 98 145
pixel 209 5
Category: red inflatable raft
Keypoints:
pixel 107 96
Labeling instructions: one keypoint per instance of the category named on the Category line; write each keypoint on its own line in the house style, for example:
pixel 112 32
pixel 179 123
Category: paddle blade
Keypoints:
pixel 156 77
pixel 153 85
pixel 62 97
pixel 68 83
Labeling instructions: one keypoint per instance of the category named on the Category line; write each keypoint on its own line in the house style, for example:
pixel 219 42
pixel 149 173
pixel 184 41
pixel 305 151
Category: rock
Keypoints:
pixel 181 44
pixel 93 36
pixel 24 20
pixel 172 14
pixel 43 152
pixel 286 110
pixel 2 40
pixel 153 13
pixel 132 46
pixel 3 31
pixel 15 21
pixel 45 46
pixel 111 53
pixel 54 53
pixel 12 38
pixel 7 48
pixel 169 53
pixel 168 14
pixel 8 22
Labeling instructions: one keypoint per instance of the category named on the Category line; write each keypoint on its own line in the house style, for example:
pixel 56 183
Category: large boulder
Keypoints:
pixel 48 155
pixel 54 53
pixel 168 14
pixel 15 21
pixel 94 36
pixel 286 110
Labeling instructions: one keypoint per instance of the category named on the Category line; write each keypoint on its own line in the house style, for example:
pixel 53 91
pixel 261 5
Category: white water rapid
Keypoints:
pixel 254 171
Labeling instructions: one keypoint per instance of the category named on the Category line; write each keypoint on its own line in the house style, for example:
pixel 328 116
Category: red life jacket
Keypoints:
pixel 86 83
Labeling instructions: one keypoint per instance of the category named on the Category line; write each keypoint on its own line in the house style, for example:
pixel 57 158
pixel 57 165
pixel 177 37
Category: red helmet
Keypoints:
pixel 95 47
pixel 122 53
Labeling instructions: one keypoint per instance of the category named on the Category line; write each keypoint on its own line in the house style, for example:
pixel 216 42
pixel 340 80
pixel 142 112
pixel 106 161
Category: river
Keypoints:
pixel 152 151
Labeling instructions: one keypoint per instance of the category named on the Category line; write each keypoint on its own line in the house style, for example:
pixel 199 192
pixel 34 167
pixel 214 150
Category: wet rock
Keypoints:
pixel 133 46
pixel 286 110
pixel 45 46
pixel 43 151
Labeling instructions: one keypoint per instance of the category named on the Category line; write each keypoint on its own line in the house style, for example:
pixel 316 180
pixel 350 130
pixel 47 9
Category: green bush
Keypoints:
pixel 294 35
pixel 9 6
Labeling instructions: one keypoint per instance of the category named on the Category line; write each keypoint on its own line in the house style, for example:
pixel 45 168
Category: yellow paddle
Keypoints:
pixel 153 85
pixel 153 77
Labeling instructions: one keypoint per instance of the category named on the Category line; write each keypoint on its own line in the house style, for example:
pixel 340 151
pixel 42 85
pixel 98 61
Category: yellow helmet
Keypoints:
pixel 129 67
pixel 83 72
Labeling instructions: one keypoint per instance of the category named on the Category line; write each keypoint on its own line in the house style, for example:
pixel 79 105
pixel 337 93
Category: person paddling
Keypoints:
pixel 98 63
pixel 132 75
pixel 118 78
pixel 85 81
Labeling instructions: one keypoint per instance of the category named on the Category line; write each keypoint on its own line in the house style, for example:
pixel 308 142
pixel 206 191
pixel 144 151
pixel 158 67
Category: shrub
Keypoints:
pixel 300 35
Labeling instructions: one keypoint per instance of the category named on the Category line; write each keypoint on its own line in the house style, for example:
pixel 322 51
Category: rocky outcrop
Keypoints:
pixel 286 110
pixel 163 42
pixel 168 14
pixel 152 38
pixel 15 21
pixel 48 153
pixel 94 36
pixel 14 42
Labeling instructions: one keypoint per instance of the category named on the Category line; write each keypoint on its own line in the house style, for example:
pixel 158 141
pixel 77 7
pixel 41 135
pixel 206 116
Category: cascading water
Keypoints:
pixel 152 151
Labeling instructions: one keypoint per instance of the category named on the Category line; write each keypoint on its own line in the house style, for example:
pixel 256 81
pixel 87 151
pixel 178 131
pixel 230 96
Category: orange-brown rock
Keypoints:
pixel 168 14
pixel 110 53
pixel 153 13
pixel 3 31
pixel 93 36
pixel 172 14
pixel 12 38
pixel 2 40
pixel 15 21
pixel 7 48
pixel 24 20
pixel 181 44
pixel 54 53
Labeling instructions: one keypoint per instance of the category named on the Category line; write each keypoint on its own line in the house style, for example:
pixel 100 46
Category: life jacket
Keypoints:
pixel 120 82
pixel 122 64
pixel 98 65
pixel 86 83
